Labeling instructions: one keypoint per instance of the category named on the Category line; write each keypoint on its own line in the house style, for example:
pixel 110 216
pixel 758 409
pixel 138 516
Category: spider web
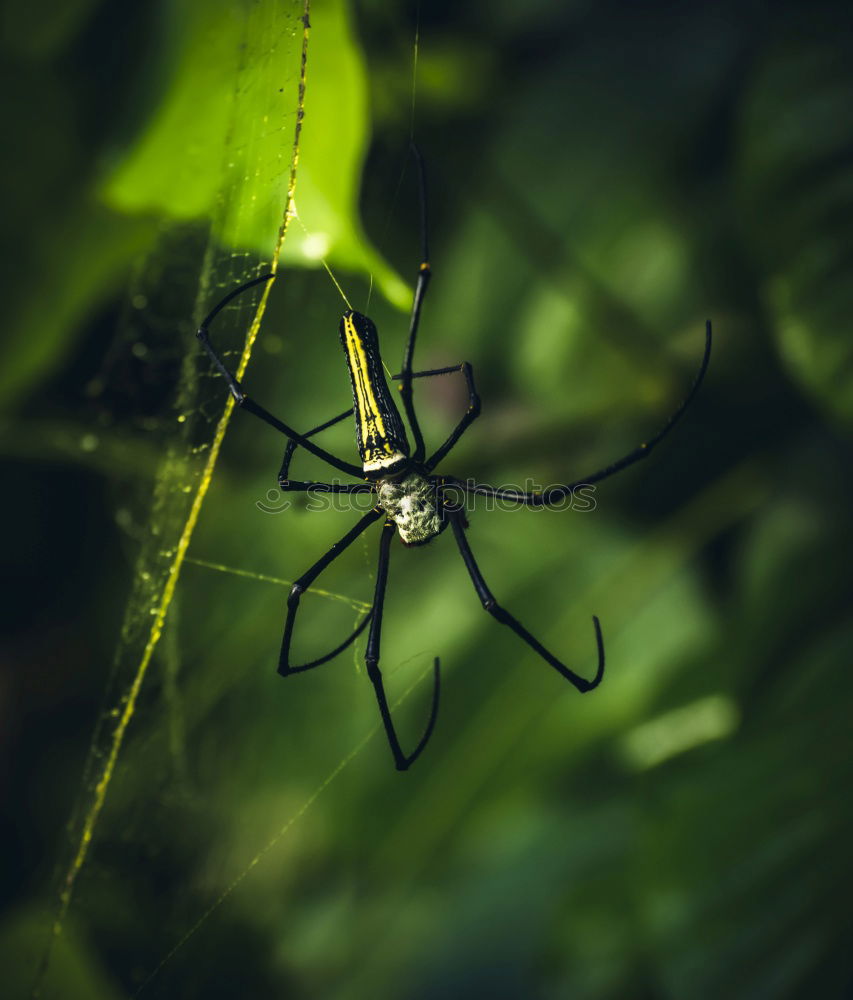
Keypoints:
pixel 256 90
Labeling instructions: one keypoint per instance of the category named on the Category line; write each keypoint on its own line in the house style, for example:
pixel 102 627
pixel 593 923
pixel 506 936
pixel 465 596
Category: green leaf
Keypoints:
pixel 189 153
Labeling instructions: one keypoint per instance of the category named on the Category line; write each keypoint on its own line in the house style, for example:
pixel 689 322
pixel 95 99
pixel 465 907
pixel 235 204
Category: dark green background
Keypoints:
pixel 603 177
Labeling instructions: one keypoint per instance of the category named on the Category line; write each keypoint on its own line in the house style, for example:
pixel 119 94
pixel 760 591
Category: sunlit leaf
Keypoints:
pixel 192 146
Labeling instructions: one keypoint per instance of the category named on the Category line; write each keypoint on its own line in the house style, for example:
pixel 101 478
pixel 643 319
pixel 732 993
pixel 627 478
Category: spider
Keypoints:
pixel 413 501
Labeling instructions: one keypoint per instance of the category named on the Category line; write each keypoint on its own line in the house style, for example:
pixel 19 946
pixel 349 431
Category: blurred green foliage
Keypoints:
pixel 602 178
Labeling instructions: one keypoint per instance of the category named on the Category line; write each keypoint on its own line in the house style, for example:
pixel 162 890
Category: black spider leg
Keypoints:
pixel 470 416
pixel 496 611
pixel 424 274
pixel 287 484
pixel 303 583
pixel 371 658
pixel 555 494
pixel 250 405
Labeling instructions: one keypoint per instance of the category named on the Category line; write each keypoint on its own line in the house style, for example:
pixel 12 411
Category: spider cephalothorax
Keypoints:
pixel 413 501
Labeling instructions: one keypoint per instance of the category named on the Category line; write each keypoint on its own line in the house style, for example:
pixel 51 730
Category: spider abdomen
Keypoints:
pixel 380 435
pixel 411 503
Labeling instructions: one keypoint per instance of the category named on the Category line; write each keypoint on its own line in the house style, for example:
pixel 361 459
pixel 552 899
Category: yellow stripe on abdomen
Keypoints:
pixel 379 444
